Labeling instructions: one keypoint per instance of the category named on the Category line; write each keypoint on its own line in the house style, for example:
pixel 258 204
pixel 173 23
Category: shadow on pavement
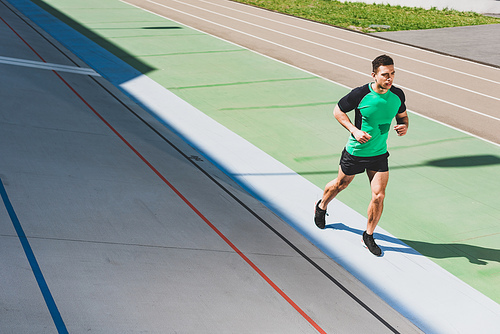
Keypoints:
pixel 475 254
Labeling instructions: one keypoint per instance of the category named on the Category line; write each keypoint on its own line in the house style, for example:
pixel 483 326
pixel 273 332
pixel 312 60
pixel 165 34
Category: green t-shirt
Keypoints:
pixel 374 113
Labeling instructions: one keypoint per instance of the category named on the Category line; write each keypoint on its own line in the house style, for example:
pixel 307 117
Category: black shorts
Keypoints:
pixel 352 165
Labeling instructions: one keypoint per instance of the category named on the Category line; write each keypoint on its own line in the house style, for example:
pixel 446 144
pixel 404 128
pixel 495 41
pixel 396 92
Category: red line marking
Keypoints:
pixel 215 229
pixel 22 39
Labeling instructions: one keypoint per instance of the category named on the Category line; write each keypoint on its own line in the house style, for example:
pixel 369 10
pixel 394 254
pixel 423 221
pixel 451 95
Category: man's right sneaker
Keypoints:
pixel 319 216
pixel 369 243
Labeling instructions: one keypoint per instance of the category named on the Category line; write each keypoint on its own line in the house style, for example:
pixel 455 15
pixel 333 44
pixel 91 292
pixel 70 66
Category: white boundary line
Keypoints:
pixel 47 66
pixel 320 59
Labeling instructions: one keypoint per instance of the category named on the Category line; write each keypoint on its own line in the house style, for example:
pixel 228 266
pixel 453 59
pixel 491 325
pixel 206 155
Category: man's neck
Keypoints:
pixel 377 89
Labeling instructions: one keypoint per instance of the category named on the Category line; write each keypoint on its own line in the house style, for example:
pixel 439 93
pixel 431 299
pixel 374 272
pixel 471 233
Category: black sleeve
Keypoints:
pixel 399 92
pixel 352 100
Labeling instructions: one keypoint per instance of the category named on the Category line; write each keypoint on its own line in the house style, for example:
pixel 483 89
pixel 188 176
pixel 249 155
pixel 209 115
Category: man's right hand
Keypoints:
pixel 361 136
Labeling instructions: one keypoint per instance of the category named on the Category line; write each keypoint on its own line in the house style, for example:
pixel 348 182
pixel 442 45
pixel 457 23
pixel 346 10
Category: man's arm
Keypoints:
pixel 402 123
pixel 344 120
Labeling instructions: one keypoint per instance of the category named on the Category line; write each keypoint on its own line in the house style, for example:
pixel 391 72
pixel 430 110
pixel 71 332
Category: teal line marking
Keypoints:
pixel 42 284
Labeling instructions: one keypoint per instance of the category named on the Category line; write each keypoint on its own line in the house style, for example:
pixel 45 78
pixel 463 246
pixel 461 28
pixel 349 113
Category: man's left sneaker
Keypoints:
pixel 369 243
pixel 319 216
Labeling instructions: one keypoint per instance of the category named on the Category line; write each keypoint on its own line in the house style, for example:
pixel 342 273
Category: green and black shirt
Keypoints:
pixel 373 114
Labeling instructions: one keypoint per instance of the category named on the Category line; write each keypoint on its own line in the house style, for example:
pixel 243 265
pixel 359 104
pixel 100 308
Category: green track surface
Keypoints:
pixel 443 192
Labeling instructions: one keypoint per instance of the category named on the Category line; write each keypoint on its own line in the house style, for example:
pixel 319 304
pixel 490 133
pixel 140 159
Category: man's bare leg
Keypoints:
pixel 334 187
pixel 331 190
pixel 378 183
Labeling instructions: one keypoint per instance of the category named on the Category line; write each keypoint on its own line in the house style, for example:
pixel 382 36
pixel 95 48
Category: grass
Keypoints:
pixel 360 16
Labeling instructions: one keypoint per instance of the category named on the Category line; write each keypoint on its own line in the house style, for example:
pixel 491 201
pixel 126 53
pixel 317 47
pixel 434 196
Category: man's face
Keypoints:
pixel 384 76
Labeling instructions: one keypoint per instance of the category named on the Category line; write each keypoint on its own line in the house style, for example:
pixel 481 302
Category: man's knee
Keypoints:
pixel 378 197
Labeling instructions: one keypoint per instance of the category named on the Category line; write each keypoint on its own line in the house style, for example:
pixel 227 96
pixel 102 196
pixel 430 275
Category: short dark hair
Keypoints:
pixel 383 60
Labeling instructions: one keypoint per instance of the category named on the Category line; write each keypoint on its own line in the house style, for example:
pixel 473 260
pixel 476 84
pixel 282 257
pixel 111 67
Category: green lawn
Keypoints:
pixel 360 16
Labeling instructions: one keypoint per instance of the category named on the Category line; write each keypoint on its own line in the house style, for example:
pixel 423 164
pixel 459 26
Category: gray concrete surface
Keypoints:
pixel 478 43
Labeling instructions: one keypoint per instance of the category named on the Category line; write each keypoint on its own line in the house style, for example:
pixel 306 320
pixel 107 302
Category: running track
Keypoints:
pixel 111 223
pixel 460 93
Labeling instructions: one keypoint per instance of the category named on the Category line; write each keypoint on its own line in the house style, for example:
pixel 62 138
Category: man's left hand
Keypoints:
pixel 401 129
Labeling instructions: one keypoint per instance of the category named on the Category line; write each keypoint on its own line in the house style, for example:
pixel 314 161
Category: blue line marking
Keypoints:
pixel 49 301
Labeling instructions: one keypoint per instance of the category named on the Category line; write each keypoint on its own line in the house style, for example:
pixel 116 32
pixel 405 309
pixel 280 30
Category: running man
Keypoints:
pixel 375 105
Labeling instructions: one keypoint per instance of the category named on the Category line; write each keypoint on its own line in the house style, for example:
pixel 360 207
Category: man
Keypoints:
pixel 375 105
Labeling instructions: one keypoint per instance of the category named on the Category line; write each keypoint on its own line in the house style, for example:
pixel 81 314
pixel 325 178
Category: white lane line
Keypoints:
pixel 359 44
pixel 47 66
pixel 253 36
pixel 321 59
pixel 339 50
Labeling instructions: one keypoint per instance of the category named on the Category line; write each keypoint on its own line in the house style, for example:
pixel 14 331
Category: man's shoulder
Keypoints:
pixel 401 95
pixel 351 100
pixel 360 92
pixel 398 91
pixel 364 89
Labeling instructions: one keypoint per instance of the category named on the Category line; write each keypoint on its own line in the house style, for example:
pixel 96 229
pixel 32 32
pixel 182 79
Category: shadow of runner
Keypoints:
pixel 453 162
pixel 475 254
pixel 465 161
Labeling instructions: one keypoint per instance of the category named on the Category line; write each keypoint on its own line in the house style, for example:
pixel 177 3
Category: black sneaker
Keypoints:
pixel 319 216
pixel 369 243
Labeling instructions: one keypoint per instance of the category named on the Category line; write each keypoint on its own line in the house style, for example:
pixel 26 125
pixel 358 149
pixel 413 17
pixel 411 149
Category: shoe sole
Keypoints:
pixel 365 246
